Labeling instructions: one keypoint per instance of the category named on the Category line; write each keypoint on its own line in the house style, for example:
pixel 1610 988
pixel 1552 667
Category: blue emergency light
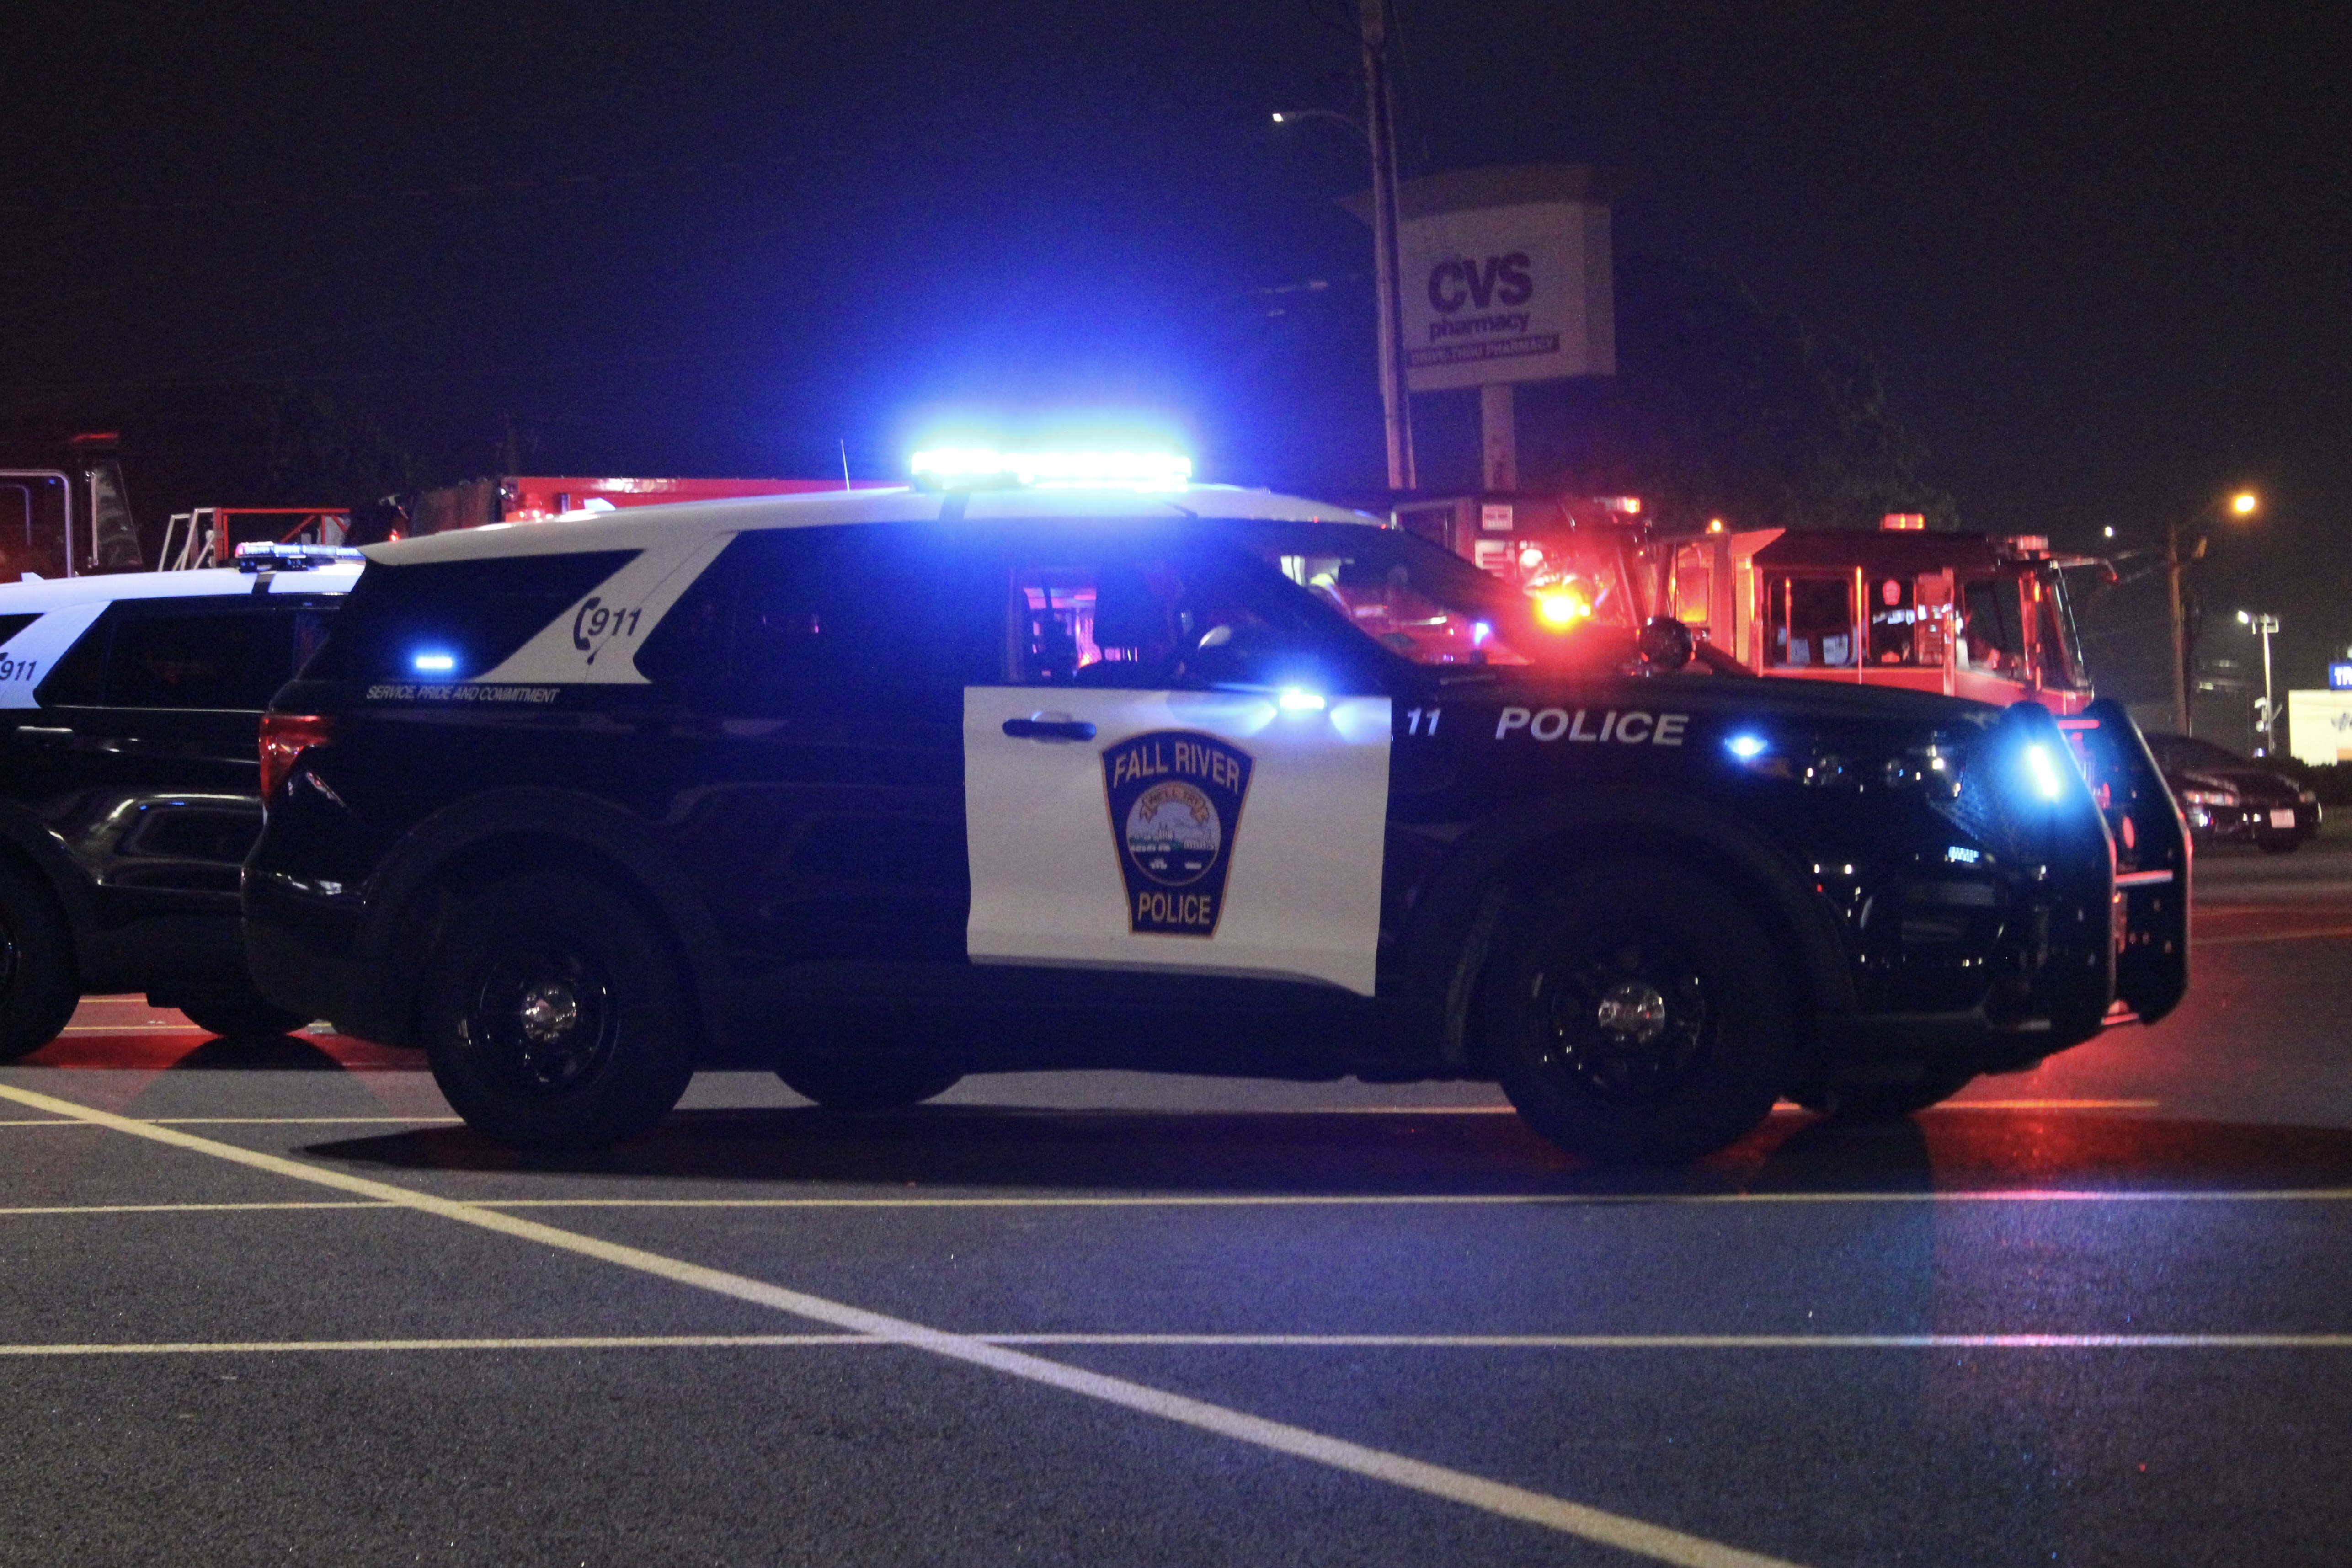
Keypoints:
pixel 980 469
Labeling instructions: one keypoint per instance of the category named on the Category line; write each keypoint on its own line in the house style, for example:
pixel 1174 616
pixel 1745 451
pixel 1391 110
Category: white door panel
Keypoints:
pixel 1289 884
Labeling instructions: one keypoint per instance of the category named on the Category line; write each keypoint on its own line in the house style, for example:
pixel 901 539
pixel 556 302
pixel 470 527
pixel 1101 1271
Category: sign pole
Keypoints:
pixel 1380 128
pixel 1499 435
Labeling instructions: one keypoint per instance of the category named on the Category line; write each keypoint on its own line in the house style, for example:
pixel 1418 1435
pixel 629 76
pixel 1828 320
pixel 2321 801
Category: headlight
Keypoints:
pixel 2209 797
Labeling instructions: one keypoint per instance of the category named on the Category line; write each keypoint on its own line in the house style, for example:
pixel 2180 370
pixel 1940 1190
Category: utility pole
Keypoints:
pixel 2264 628
pixel 1380 127
pixel 2172 564
pixel 2243 504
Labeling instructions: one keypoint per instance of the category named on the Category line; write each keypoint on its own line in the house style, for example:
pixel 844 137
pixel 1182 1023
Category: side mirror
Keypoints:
pixel 1665 644
pixel 1245 656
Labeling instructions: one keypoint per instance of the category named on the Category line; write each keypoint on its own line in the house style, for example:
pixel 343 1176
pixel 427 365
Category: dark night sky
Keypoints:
pixel 2099 250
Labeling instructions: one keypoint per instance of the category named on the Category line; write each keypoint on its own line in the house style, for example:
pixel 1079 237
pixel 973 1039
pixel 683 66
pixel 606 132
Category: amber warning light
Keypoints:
pixel 1903 523
pixel 284 738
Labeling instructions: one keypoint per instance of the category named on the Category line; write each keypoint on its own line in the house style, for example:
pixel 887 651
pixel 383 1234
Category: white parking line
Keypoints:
pixel 1279 1200
pixel 1448 1200
pixel 1627 1535
pixel 1236 1342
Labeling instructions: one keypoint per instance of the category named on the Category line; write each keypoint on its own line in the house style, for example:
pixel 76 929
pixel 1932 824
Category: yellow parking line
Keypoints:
pixel 583 1343
pixel 2272 936
pixel 2047 1105
pixel 251 1121
pixel 176 1208
pixel 1543 1509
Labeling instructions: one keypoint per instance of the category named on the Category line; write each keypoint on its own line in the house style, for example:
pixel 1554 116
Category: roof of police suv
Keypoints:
pixel 637 527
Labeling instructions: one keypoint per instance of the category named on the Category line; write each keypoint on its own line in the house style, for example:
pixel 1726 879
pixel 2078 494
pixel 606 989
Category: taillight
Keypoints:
pixel 284 737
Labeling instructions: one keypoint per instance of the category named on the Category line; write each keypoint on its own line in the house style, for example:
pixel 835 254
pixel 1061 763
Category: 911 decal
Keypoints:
pixel 17 668
pixel 1633 727
pixel 597 625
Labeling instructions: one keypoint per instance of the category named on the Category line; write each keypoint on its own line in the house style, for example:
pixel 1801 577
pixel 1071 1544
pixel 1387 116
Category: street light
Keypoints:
pixel 1379 130
pixel 2244 503
pixel 2265 710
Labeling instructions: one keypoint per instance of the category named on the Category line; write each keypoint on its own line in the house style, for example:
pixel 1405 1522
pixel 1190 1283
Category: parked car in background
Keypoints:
pixel 2230 799
pixel 130 720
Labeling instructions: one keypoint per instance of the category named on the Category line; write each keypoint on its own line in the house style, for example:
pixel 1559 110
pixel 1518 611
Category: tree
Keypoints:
pixel 1723 408
pixel 315 454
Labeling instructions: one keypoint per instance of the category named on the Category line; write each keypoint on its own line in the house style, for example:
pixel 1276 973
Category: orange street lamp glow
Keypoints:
pixel 2244 503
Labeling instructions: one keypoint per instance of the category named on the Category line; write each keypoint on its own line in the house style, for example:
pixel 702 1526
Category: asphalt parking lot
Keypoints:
pixel 267 1303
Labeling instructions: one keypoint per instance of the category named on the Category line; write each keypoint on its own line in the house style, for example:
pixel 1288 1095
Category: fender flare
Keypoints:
pixel 29 836
pixel 416 865
pixel 1455 923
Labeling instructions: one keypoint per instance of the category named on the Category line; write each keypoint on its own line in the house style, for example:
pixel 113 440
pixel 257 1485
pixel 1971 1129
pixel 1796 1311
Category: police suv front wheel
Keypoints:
pixel 1640 1015
pixel 553 1016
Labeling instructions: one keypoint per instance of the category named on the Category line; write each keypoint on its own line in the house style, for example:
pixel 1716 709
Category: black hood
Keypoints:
pixel 2253 782
pixel 1761 697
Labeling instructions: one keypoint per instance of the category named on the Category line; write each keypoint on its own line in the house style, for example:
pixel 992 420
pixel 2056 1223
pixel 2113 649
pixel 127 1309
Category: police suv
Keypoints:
pixel 129 707
pixel 878 789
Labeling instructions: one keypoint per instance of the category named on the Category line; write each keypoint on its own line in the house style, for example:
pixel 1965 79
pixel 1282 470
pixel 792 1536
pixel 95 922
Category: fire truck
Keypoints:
pixel 1581 559
pixel 210 536
pixel 70 520
pixel 513 498
pixel 1968 615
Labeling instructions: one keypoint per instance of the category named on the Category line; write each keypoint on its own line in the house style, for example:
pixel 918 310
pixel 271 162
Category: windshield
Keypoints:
pixel 1405 594
pixel 2061 647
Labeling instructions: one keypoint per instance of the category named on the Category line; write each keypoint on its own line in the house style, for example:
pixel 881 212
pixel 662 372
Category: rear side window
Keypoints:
pixel 475 614
pixel 227 656
pixel 788 610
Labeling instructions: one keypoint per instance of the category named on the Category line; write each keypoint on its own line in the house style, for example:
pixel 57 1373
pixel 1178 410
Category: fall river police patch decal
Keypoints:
pixel 1175 799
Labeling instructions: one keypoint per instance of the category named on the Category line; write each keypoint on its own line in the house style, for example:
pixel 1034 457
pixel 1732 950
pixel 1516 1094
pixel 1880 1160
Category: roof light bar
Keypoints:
pixel 976 467
pixel 260 555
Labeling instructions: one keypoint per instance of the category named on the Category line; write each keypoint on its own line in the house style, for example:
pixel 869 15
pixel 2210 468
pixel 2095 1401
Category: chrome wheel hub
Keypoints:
pixel 1632 1012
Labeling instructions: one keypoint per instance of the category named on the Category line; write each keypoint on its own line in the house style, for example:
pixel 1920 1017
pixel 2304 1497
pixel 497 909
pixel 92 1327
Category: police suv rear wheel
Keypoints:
pixel 868 1086
pixel 1642 1016
pixel 553 1015
pixel 39 988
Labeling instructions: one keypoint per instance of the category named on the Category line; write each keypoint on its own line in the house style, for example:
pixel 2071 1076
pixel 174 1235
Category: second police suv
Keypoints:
pixel 878 789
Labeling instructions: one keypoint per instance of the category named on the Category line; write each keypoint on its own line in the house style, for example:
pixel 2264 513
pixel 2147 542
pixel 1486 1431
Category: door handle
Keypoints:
pixel 1042 728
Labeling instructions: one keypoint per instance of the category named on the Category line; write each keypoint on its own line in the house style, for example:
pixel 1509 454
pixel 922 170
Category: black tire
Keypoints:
pixel 554 1017
pixel 1642 1016
pixel 238 1013
pixel 39 987
pixel 1866 1102
pixel 867 1085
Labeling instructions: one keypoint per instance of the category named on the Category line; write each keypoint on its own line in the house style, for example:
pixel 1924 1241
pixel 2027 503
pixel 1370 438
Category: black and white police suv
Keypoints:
pixel 881 789
pixel 129 710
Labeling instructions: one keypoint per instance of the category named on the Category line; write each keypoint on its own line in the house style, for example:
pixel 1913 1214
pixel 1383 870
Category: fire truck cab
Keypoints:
pixel 1579 558
pixel 1966 614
